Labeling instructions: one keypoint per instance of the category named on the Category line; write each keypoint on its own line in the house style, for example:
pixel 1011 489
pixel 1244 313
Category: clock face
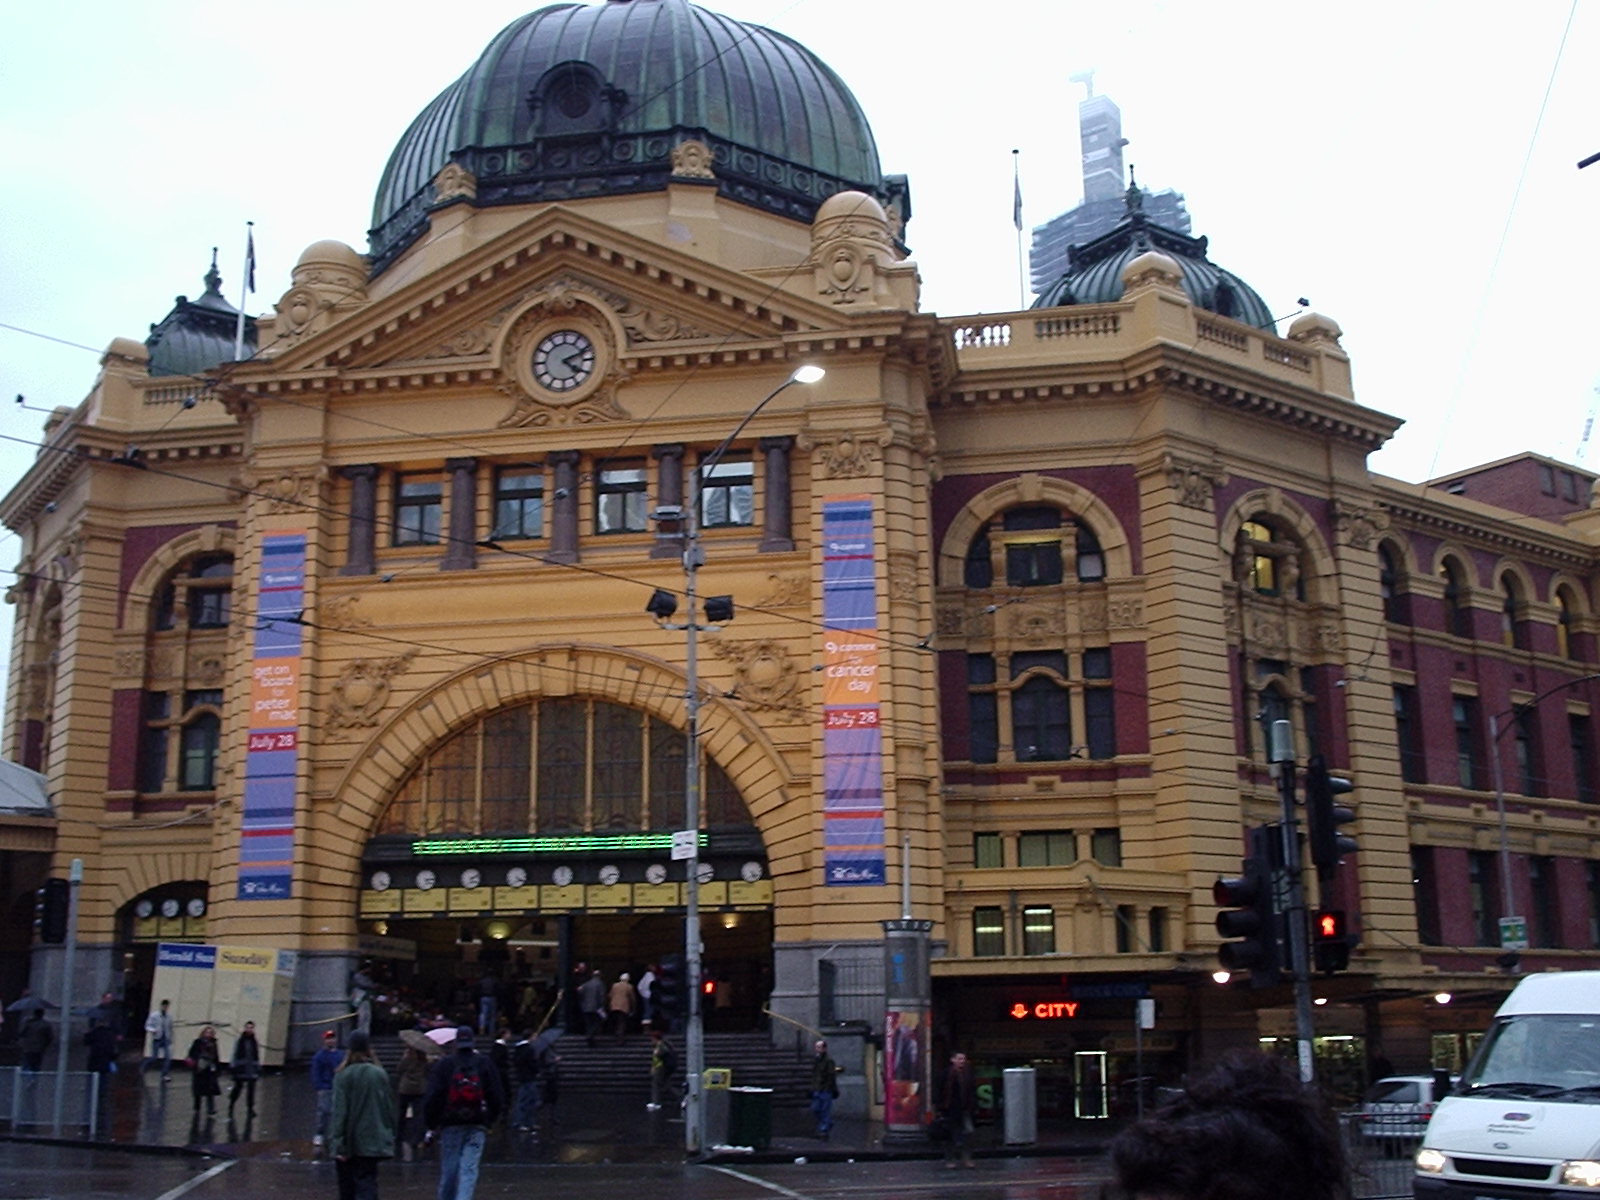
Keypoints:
pixel 196 907
pixel 562 876
pixel 707 872
pixel 143 909
pixel 516 877
pixel 169 908
pixel 563 360
pixel 750 872
pixel 426 879
pixel 656 873
pixel 470 878
pixel 609 874
pixel 380 881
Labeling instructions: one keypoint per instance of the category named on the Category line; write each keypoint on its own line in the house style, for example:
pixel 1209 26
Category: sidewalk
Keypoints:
pixel 581 1129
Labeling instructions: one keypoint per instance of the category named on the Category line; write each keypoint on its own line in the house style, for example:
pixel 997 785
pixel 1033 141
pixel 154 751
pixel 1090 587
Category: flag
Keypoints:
pixel 250 257
pixel 1016 197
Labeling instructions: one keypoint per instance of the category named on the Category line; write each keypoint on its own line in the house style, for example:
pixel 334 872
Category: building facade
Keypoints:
pixel 343 649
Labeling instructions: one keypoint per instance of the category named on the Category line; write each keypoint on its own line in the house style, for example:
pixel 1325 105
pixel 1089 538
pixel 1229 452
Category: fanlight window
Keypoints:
pixel 558 766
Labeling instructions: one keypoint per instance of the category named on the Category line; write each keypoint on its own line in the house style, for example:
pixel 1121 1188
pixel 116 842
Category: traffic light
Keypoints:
pixel 50 911
pixel 1323 817
pixel 668 993
pixel 1250 915
pixel 1330 941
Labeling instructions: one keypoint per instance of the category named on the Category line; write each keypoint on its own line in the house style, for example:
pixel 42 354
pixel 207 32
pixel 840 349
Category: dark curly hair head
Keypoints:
pixel 1244 1129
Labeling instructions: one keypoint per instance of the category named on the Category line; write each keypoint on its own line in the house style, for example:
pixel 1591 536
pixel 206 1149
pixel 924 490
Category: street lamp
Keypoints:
pixel 718 608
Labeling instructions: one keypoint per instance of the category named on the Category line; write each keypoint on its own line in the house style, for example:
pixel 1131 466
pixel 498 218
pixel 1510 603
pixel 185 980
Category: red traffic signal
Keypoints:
pixel 1330 940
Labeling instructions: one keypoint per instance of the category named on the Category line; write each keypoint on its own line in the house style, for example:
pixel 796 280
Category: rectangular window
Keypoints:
pixel 621 493
pixel 1106 847
pixel 1545 931
pixel 152 767
pixel 1526 740
pixel 418 507
pixel 988 851
pixel 1157 925
pixel 1041 719
pixel 983 713
pixel 727 494
pixel 1582 756
pixel 1413 763
pixel 210 607
pixel 1464 710
pixel 1033 564
pixel 1591 879
pixel 988 933
pixel 1099 704
pixel 1047 848
pixel 1547 479
pixel 199 740
pixel 1425 895
pixel 1569 486
pixel 1483 893
pixel 518 503
pixel 1127 929
pixel 1039 930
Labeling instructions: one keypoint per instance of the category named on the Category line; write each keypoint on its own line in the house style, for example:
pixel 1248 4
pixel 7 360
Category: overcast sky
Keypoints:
pixel 1379 159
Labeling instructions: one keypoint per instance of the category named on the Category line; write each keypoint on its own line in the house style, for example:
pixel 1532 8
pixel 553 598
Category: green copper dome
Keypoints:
pixel 590 99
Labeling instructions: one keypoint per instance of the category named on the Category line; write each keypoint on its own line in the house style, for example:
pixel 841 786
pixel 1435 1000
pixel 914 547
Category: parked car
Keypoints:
pixel 1398 1107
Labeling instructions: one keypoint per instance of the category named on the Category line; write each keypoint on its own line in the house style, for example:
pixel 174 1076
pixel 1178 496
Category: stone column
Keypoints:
pixel 564 507
pixel 461 548
pixel 777 531
pixel 361 556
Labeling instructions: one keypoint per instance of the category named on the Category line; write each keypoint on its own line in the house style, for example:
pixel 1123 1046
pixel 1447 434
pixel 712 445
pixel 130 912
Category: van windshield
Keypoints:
pixel 1551 1056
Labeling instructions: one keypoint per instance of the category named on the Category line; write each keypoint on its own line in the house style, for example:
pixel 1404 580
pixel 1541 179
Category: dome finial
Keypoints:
pixel 213 276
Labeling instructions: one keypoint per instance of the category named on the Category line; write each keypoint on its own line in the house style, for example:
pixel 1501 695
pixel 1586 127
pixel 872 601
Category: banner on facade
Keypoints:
pixel 272 759
pixel 852 739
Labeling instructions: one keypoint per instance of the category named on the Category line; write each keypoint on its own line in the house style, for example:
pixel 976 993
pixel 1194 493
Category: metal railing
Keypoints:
pixel 1380 1149
pixel 28 1102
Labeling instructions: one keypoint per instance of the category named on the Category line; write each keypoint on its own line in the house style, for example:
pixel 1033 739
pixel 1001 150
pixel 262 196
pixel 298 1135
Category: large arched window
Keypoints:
pixel 1457 606
pixel 1390 579
pixel 180 730
pixel 1268 560
pixel 1513 612
pixel 1034 546
pixel 1565 616
pixel 558 766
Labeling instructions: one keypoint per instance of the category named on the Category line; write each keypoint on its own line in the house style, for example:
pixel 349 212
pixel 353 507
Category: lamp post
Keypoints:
pixel 1507 907
pixel 718 608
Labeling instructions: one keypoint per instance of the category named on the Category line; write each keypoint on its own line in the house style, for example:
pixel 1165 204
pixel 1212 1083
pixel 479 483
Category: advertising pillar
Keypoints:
pixel 908 995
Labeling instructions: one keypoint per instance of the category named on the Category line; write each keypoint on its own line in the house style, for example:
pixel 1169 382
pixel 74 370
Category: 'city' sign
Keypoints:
pixel 1046 1010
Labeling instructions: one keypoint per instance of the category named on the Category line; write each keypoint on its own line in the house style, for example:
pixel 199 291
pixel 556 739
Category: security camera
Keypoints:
pixel 563 493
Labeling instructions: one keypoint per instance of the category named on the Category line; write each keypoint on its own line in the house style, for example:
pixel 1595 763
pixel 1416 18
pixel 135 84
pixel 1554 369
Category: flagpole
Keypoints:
pixel 1016 219
pixel 246 286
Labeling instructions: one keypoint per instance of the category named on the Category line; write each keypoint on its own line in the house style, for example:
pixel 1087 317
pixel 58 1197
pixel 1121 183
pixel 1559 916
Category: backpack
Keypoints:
pixel 464 1101
pixel 669 1060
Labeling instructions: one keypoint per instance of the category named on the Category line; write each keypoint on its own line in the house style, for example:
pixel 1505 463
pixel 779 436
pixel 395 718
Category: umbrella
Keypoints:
pixel 28 1004
pixel 441 1037
pixel 546 1039
pixel 418 1040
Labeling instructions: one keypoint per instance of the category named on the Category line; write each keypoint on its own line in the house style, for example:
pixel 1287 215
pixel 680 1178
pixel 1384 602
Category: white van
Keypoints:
pixel 1524 1120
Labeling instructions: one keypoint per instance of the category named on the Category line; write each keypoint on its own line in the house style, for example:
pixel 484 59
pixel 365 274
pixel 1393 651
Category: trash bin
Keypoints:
pixel 750 1117
pixel 1021 1090
pixel 714 1105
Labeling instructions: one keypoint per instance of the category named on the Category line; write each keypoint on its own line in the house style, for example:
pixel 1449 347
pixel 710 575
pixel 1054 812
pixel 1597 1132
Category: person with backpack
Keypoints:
pixel 663 1066
pixel 464 1098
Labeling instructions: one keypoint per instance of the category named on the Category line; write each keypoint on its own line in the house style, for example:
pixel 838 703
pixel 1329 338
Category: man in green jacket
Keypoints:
pixel 361 1130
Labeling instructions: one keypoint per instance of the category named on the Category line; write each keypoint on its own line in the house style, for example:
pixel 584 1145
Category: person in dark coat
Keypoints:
pixel 462 1133
pixel 33 1039
pixel 361 1131
pixel 958 1101
pixel 102 1064
pixel 246 1068
pixel 205 1061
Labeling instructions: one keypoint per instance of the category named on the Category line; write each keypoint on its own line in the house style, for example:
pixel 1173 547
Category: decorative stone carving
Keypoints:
pixel 1358 526
pixel 472 342
pixel 329 277
pixel 163 664
pixel 128 663
pixel 692 160
pixel 951 621
pixel 787 591
pixel 361 692
pixel 36 690
pixel 454 182
pixel 1327 638
pixel 1125 613
pixel 850 237
pixel 1034 623
pixel 288 492
pixel 902 576
pixel 1269 635
pixel 341 614
pixel 765 676
pixel 1194 482
pixel 845 455
pixel 206 668
pixel 564 304
pixel 1093 615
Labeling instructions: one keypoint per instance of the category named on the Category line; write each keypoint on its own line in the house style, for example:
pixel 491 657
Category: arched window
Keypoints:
pixel 1564 619
pixel 1267 561
pixel 199 594
pixel 1513 613
pixel 558 766
pixel 1389 580
pixel 1457 610
pixel 1038 546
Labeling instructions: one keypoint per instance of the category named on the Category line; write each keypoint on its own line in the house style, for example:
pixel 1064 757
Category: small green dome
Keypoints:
pixel 1094 270
pixel 583 100
pixel 198 334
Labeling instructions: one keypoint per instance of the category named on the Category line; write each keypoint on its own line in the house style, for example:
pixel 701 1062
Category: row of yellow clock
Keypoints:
pixel 535 898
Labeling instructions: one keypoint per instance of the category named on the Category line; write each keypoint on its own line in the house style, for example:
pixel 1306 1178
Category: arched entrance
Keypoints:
pixel 533 842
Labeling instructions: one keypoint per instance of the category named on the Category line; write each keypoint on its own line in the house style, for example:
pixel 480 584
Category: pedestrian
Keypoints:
pixel 1245 1129
pixel 647 991
pixel 957 1102
pixel 246 1067
pixel 33 1039
pixel 361 988
pixel 525 1056
pixel 592 1004
pixel 488 1004
pixel 621 1003
pixel 324 1065
pixel 361 1131
pixel 158 1025
pixel 411 1084
pixel 824 1088
pixel 109 1013
pixel 464 1098
pixel 101 1039
pixel 205 1061
pixel 663 1066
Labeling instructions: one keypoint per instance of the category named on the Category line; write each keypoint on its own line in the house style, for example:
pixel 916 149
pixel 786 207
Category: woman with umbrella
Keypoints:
pixel 411 1084
pixel 205 1062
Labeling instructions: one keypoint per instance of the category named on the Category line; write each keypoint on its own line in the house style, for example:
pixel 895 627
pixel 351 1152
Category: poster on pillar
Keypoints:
pixel 852 740
pixel 272 756
pixel 905 1058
